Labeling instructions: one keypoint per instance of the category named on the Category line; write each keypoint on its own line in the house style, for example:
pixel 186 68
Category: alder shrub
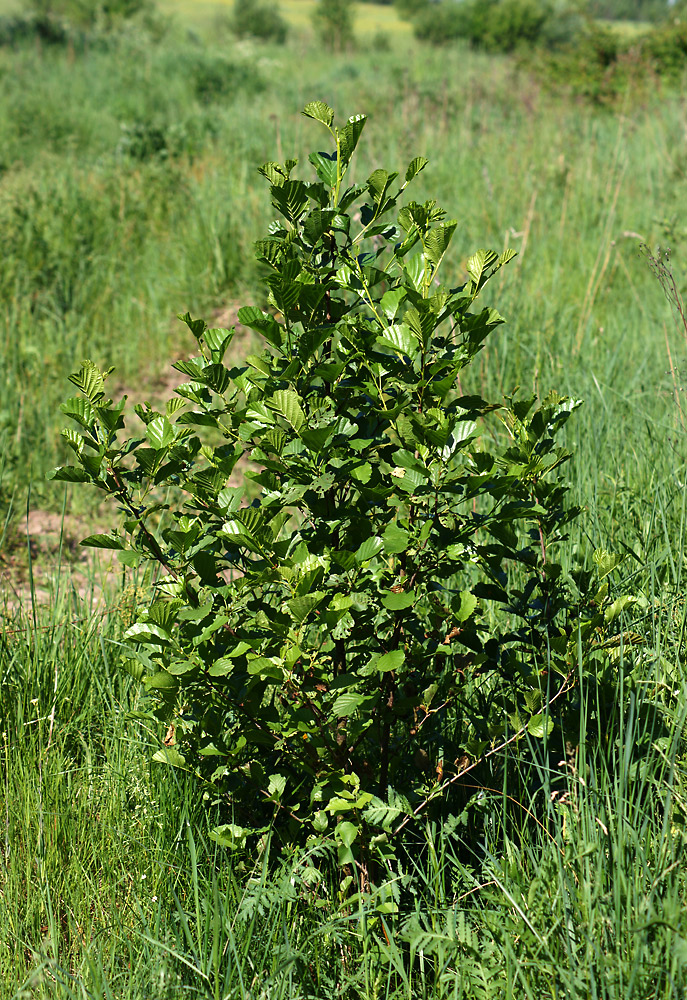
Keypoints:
pixel 355 594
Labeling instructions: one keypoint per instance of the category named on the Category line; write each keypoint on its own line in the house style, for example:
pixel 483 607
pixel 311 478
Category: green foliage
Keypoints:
pixel 333 23
pixel 439 24
pixel 88 13
pixel 495 25
pixel 325 610
pixel 602 65
pixel 629 10
pixel 75 23
pixel 665 48
pixel 258 19
pixel 409 9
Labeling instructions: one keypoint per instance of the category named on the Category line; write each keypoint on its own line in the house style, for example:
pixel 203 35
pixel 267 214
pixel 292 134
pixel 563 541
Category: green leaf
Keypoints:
pixel 264 668
pixel 320 821
pixel 362 473
pixel 169 755
pixel 326 167
pixel 378 184
pixel 160 433
pixel 69 474
pixel 415 166
pixel 436 242
pixel 617 607
pixel 368 550
pixel 347 703
pixel 316 438
pixel 300 607
pixel 161 681
pixel 606 562
pixel 349 135
pixel 468 603
pixel 399 602
pixel 222 667
pixel 276 786
pixel 414 268
pixel 147 634
pixel 196 326
pixel 479 263
pixel 262 323
pixel 216 377
pixel 344 856
pixel 346 833
pixel 286 402
pixel 400 337
pixel 390 661
pixel 490 592
pixel 111 541
pixel 89 379
pixel 320 111
pixel 274 172
pixel 391 300
pixel 395 539
pixel 291 199
pixel 230 835
pixel 539 724
pixel 79 409
pixel 380 813
pixel 218 341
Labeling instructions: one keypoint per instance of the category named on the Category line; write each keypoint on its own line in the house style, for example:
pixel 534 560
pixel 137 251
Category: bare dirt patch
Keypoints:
pixel 42 557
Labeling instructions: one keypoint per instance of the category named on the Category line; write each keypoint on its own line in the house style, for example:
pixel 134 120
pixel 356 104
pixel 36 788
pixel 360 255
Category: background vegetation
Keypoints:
pixel 128 193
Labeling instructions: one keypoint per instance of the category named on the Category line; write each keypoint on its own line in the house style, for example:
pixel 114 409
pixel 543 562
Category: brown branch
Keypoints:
pixel 480 760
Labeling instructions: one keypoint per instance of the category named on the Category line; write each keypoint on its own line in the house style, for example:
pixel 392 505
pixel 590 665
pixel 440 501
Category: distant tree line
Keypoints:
pixel 613 10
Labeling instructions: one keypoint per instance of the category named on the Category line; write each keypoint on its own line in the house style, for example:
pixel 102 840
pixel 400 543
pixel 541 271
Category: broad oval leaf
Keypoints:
pixel 395 539
pixel 79 409
pixel 230 835
pixel 69 474
pixel 147 634
pixel 286 402
pixel 368 550
pixel 347 703
pixel 415 166
pixel 169 755
pixel 347 832
pixel 104 542
pixel 89 379
pixel 399 602
pixel 320 111
pixel 160 433
pixel 390 661
pixel 539 724
pixel 401 338
pixel 300 607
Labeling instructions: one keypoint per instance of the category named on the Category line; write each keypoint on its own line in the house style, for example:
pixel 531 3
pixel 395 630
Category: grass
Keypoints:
pixel 128 193
pixel 368 18
pixel 109 883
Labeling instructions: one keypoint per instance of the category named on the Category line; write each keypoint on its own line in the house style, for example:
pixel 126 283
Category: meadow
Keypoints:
pixel 129 194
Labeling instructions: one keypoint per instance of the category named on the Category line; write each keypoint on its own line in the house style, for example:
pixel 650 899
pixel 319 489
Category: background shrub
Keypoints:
pixel 439 24
pixel 665 48
pixel 494 25
pixel 503 25
pixel 257 19
pixel 409 9
pixel 333 23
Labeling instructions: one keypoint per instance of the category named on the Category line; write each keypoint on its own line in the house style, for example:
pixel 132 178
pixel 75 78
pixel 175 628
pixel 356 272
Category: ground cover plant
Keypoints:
pixel 109 880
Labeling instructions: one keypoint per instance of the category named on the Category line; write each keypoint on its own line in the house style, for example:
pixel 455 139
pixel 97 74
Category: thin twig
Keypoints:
pixel 480 760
